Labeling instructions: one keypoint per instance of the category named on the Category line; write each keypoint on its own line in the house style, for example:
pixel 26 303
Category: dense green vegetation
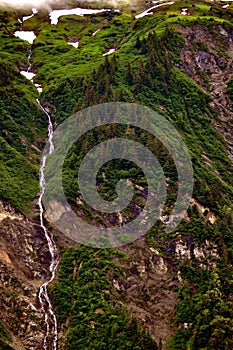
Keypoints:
pixel 22 124
pixel 230 89
pixel 142 70
pixel 205 305
pixel 22 132
pixel 4 336
pixel 85 301
pixel 155 83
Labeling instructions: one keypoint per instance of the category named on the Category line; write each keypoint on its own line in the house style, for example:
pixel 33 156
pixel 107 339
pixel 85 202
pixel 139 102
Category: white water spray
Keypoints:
pixel 46 306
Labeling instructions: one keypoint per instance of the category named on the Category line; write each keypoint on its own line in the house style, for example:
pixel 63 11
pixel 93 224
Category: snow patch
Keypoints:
pixel 28 75
pixel 96 32
pixel 225 6
pixel 27 17
pixel 39 88
pixel 26 35
pixel 54 15
pixel 34 12
pixel 184 11
pixel 74 44
pixel 147 12
pixel 109 52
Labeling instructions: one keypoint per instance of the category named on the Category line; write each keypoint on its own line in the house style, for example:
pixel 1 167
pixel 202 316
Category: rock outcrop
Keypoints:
pixel 24 260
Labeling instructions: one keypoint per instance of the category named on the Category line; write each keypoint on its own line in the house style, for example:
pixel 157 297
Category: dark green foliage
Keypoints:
pixel 208 315
pixel 22 127
pixel 4 334
pixel 4 337
pixel 84 300
pixel 142 70
pixel 4 346
pixel 153 81
pixel 230 89
pixel 156 83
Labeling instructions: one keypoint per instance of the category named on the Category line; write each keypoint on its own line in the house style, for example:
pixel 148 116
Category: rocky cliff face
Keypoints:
pixel 24 261
pixel 207 57
pixel 152 278
pixel 151 275
pixel 150 284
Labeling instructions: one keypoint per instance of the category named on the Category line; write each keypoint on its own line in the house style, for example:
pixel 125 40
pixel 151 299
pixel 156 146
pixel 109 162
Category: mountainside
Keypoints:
pixel 166 290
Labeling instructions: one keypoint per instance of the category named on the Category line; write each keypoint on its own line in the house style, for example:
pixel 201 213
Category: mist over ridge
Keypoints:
pixel 18 4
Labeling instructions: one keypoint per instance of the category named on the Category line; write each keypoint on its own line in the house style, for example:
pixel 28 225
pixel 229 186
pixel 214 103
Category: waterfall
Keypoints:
pixel 45 303
pixel 46 306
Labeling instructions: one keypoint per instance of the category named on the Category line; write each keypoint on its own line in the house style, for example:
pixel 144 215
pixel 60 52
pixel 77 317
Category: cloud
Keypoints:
pixel 17 4
pixel 117 3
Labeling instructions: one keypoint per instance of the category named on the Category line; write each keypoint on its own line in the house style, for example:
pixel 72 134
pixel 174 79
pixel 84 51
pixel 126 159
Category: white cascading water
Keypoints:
pixel 29 61
pixel 46 306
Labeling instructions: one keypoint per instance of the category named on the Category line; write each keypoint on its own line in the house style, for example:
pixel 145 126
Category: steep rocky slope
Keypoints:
pixel 24 267
pixel 155 292
pixel 207 58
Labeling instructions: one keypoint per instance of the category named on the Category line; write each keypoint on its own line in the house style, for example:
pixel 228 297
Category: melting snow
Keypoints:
pixel 34 11
pixel 74 44
pixel 109 52
pixel 28 36
pixel 96 32
pixel 27 17
pixel 39 88
pixel 184 11
pixel 147 12
pixel 28 75
pixel 54 15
